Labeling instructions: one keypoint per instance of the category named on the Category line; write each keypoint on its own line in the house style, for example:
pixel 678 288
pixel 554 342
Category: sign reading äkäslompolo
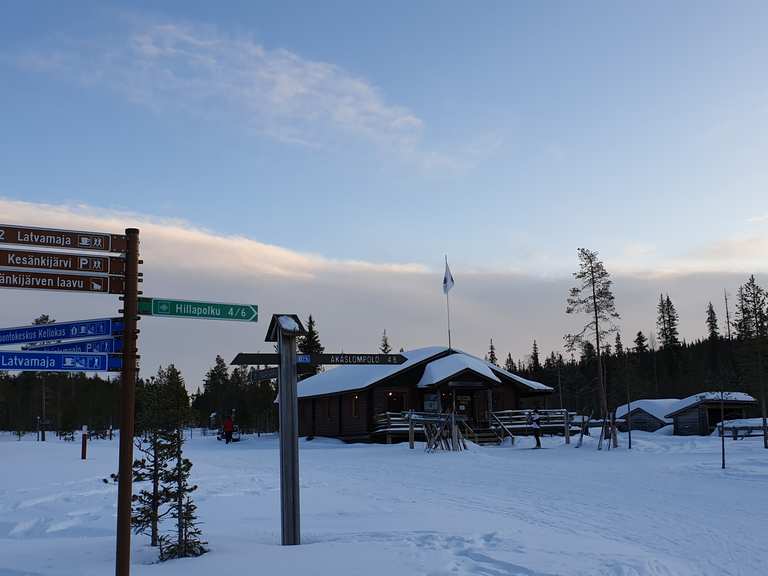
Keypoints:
pixel 195 309
pixel 59 362
pixel 258 359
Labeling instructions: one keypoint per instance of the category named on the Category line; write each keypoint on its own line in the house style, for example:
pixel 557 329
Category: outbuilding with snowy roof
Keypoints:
pixel 348 401
pixel 699 414
pixel 646 414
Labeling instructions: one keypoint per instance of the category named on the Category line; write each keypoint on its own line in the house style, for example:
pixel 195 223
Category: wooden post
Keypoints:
pixel 567 417
pixel 127 404
pixel 411 433
pixel 84 443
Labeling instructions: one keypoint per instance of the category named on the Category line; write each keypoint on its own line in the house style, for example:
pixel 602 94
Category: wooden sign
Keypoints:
pixel 51 238
pixel 66 282
pixel 57 261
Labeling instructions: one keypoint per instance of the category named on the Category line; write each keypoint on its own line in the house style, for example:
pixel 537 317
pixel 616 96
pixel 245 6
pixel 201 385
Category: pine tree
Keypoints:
pixel 509 364
pixel 713 331
pixel 310 343
pixel 594 297
pixel 491 356
pixel 216 388
pixel 641 343
pixel 384 347
pixel 535 362
pixel 185 541
pixel 666 323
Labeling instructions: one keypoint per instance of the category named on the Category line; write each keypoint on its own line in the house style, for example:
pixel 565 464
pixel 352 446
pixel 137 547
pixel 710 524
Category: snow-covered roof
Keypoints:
pixel 444 368
pixel 657 407
pixel 348 378
pixel 709 396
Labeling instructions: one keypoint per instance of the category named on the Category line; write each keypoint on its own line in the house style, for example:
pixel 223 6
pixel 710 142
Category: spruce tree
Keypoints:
pixel 672 322
pixel 164 408
pixel 641 343
pixel 713 331
pixel 185 540
pixel 216 388
pixel 618 345
pixel 535 362
pixel 509 364
pixel 384 347
pixel 310 343
pixel 491 357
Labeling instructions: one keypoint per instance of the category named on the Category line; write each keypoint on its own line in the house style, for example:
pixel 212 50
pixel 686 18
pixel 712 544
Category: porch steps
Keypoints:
pixel 484 437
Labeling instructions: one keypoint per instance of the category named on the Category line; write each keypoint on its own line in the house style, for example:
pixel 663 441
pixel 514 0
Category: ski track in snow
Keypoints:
pixel 663 509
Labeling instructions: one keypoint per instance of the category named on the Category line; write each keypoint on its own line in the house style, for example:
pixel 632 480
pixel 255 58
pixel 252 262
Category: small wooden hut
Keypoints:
pixel 646 414
pixel 700 413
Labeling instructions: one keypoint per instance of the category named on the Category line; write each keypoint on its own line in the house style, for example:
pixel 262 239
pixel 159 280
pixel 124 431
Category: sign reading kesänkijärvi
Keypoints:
pixel 194 309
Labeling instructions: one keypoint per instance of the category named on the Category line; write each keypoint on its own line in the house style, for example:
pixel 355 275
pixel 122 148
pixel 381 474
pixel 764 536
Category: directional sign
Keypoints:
pixel 316 359
pixel 59 362
pixel 201 310
pixel 358 359
pixel 61 331
pixel 51 238
pixel 97 345
pixel 67 282
pixel 56 261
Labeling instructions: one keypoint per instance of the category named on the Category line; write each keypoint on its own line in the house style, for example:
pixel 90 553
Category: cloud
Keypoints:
pixel 353 302
pixel 282 94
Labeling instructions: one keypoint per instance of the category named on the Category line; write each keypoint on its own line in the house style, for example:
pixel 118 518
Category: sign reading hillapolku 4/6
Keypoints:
pixel 59 362
pixel 194 309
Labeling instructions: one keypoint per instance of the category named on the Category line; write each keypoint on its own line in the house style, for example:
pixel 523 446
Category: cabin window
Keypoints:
pixel 355 406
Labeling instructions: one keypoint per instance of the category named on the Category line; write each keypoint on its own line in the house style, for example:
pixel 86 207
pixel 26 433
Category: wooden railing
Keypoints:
pixel 511 423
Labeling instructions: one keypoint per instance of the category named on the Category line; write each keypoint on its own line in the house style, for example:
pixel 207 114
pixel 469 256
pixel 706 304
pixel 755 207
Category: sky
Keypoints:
pixel 324 158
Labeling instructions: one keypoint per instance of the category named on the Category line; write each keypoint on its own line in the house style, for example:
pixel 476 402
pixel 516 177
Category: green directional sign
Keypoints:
pixel 194 309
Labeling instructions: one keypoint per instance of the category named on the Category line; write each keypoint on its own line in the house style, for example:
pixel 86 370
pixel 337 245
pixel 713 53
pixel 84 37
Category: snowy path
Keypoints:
pixel 664 509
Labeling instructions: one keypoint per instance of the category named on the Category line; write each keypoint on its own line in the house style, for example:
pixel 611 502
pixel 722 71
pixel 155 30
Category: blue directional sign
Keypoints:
pixel 303 359
pixel 96 345
pixel 61 331
pixel 59 362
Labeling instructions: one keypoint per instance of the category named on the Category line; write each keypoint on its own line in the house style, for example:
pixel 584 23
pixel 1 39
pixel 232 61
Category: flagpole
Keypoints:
pixel 448 306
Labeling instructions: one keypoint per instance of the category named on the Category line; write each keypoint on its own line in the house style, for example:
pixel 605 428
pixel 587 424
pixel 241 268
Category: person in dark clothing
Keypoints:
pixel 229 427
pixel 535 419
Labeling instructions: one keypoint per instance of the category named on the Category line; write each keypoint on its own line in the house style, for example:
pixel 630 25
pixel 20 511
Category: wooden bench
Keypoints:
pixel 741 432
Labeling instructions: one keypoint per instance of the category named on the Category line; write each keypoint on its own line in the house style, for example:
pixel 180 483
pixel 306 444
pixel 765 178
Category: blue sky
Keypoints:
pixel 506 134
pixel 528 117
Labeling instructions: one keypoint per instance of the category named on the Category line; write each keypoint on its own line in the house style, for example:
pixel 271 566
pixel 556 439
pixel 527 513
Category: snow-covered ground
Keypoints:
pixel 665 508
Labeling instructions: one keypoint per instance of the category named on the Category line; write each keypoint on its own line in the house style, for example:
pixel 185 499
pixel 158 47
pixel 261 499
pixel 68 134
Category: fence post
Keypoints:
pixel 84 443
pixel 567 420
pixel 411 432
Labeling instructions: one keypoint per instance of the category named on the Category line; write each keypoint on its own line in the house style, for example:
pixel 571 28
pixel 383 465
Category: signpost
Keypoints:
pixel 61 331
pixel 97 345
pixel 59 362
pixel 56 281
pixel 283 329
pixel 52 238
pixel 100 274
pixel 195 309
pixel 66 262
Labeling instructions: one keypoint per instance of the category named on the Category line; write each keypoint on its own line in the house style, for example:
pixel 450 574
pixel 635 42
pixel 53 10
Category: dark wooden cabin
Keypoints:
pixel 648 415
pixel 700 413
pixel 344 402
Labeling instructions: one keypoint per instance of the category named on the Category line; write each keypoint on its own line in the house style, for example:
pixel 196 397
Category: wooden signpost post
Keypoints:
pixel 283 329
pixel 22 268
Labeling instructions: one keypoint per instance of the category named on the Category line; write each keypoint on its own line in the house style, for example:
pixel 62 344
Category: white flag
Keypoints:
pixel 447 279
